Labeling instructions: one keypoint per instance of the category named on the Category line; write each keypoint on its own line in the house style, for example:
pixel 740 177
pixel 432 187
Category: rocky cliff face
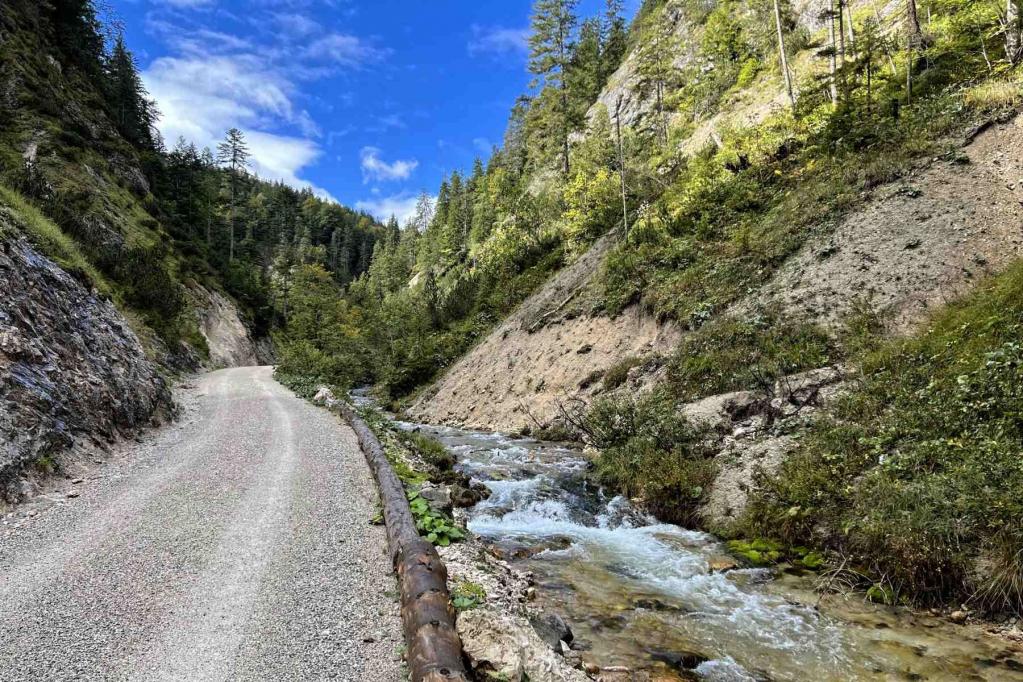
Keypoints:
pixel 72 372
pixel 228 339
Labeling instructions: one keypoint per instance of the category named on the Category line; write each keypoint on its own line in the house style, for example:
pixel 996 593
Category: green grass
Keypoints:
pixel 731 354
pixel 618 373
pixel 916 473
pixel 49 239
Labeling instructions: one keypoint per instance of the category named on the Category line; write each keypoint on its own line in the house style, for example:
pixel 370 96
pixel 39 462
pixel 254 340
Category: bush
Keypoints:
pixel 618 373
pixel 649 451
pixel 732 354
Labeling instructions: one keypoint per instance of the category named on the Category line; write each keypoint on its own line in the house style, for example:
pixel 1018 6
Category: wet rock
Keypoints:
pixel 465 497
pixel 679 660
pixel 959 617
pixel 505 645
pixel 551 628
pixel 721 564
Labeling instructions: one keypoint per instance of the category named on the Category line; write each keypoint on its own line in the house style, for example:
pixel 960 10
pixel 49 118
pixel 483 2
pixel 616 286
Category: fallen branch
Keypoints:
pixel 434 649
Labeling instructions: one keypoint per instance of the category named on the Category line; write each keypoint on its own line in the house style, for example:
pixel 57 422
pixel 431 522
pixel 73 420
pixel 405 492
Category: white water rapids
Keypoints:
pixel 640 593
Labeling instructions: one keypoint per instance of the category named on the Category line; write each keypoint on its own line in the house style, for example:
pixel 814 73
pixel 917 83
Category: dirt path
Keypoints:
pixel 233 546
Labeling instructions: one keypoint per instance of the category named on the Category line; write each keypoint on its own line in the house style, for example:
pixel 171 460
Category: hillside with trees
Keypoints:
pixel 705 153
pixel 148 219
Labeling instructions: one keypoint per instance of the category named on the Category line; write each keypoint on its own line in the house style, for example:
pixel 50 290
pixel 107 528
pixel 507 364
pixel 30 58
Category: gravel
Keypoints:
pixel 235 545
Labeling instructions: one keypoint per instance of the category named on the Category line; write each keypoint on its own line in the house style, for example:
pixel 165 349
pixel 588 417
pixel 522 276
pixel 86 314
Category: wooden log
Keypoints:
pixel 428 621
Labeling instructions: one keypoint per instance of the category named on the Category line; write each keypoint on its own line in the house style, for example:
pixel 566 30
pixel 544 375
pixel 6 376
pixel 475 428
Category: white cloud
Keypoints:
pixel 499 41
pixel 215 81
pixel 482 145
pixel 343 49
pixel 296 25
pixel 402 206
pixel 376 169
pixel 200 99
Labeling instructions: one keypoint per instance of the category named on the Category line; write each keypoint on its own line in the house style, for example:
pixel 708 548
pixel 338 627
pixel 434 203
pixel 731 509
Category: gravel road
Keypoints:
pixel 235 545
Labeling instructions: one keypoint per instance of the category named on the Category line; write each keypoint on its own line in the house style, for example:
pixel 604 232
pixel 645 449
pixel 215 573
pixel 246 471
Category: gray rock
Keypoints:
pixel 70 365
pixel 507 645
pixel 438 496
pixel 552 629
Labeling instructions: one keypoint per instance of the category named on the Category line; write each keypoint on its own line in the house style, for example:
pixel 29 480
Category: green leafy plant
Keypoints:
pixel 467 595
pixel 434 526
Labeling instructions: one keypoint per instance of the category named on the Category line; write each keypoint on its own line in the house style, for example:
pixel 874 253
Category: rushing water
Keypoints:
pixel 638 593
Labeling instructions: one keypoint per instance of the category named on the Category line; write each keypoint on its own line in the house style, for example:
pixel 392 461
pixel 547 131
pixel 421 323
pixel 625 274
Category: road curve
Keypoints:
pixel 235 545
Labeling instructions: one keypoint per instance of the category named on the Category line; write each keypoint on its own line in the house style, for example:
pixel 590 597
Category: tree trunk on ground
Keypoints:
pixel 782 57
pixel 434 648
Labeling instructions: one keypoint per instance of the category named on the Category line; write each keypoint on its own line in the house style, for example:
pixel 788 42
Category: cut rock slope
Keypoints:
pixel 72 372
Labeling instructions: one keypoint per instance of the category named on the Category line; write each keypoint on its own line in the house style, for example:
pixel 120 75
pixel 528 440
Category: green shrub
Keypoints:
pixel 649 451
pixel 618 373
pixel 467 595
pixel 733 353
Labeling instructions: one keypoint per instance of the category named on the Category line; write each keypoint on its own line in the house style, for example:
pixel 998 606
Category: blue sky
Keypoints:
pixel 369 102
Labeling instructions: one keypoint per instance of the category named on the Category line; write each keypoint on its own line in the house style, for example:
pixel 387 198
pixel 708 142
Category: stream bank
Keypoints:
pixel 646 600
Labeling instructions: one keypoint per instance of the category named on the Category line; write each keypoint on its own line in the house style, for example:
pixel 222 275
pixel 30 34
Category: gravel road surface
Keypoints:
pixel 234 545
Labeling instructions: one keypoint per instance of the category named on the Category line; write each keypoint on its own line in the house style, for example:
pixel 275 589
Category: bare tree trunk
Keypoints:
pixel 621 167
pixel 834 54
pixel 1013 31
pixel 913 23
pixel 850 29
pixel 782 57
pixel 915 39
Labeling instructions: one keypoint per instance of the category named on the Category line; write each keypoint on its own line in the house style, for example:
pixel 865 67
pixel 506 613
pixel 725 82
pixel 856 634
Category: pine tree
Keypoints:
pixel 134 113
pixel 78 34
pixel 614 39
pixel 551 45
pixel 585 72
pixel 656 57
pixel 233 154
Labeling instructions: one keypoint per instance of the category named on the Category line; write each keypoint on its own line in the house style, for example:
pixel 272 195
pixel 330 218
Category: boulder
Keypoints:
pixel 438 496
pixel 505 645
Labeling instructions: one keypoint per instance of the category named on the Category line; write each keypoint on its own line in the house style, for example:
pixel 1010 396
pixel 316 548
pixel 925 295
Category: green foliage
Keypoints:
pixel 467 595
pixel 48 238
pixel 916 471
pixel 648 451
pixel 759 552
pixel 733 353
pixel 618 373
pixel 436 527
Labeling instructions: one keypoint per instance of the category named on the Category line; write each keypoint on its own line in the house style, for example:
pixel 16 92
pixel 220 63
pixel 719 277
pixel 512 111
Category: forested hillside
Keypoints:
pixel 149 222
pixel 716 156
